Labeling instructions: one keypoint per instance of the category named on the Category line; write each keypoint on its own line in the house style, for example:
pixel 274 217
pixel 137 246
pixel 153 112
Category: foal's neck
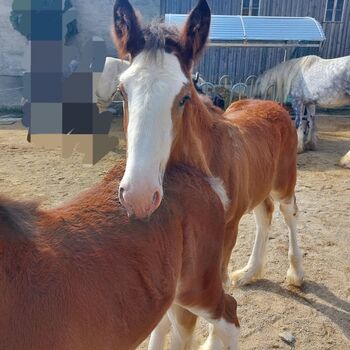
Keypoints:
pixel 195 139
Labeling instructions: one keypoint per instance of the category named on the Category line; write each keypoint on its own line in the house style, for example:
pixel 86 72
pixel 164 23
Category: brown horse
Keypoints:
pixel 250 149
pixel 85 277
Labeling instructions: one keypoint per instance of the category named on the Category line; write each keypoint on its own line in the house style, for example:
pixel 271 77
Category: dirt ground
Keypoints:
pixel 318 314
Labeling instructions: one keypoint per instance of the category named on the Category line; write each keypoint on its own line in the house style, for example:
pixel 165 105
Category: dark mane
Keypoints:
pixel 161 36
pixel 210 105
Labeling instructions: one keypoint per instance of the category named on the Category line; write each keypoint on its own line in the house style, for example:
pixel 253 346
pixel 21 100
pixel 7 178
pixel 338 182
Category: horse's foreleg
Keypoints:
pixel 183 323
pixel 158 336
pixel 231 232
pixel 295 272
pixel 255 267
pixel 224 328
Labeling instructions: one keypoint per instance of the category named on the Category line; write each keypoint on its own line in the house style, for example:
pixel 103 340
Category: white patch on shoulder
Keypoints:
pixel 218 186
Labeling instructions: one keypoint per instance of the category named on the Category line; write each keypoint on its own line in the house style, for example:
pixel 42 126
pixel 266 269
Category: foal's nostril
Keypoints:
pixel 124 203
pixel 121 194
pixel 156 199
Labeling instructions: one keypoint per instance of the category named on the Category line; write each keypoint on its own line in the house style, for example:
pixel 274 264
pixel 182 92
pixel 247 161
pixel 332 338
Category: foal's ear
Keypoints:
pixel 126 32
pixel 196 31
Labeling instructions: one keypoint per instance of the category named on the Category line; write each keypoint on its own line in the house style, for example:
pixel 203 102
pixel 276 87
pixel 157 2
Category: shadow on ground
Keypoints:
pixel 333 307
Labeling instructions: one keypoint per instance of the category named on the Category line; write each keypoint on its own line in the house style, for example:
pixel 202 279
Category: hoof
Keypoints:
pixel 295 278
pixel 310 146
pixel 244 276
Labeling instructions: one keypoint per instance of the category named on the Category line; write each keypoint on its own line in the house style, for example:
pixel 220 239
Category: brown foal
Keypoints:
pixel 84 277
pixel 248 152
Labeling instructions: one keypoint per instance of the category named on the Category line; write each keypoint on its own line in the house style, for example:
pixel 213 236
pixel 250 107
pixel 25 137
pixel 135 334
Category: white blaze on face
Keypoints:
pixel 151 83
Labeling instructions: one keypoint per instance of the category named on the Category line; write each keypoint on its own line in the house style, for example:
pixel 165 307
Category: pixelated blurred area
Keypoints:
pixel 60 109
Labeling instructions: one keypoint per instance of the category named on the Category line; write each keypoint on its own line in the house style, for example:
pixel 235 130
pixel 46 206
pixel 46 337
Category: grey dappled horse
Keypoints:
pixel 309 81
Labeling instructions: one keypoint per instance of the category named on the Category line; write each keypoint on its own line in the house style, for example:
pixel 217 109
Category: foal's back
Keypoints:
pixel 265 143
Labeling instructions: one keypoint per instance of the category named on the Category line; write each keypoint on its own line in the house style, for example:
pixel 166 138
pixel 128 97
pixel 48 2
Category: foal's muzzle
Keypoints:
pixel 140 204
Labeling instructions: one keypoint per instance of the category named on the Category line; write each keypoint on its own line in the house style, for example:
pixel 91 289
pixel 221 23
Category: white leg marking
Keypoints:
pixel 213 341
pixel 181 337
pixel 157 340
pixel 295 272
pixel 222 334
pixel 255 267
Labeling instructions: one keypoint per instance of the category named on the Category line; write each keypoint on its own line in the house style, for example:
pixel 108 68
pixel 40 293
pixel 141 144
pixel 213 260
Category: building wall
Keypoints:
pixel 13 44
pixel 337 33
pixel 242 62
pixel 94 17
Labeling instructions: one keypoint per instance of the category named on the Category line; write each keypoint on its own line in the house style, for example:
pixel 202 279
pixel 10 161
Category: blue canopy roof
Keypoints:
pixel 259 30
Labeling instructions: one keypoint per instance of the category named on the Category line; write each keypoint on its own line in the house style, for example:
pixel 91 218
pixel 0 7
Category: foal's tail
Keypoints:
pixel 17 218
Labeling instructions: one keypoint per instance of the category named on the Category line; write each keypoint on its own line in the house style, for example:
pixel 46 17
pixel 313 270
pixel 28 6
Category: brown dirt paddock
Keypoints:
pixel 318 314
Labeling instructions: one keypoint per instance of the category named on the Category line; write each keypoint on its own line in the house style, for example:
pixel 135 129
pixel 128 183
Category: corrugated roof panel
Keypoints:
pixel 282 28
pixel 226 28
pixel 222 27
pixel 259 28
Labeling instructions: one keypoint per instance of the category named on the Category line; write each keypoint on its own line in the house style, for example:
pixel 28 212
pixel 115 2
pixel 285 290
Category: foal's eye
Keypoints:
pixel 183 100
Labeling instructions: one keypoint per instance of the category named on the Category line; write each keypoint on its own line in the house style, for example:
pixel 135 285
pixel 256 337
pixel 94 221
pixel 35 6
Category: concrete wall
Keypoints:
pixel 13 44
pixel 94 18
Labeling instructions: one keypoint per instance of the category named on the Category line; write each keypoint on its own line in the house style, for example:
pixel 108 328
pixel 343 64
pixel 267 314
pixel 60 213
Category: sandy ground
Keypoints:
pixel 318 314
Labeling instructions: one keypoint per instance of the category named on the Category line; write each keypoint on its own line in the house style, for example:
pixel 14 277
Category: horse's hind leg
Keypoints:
pixel 299 108
pixel 254 269
pixel 183 323
pixel 295 272
pixel 311 139
pixel 158 336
